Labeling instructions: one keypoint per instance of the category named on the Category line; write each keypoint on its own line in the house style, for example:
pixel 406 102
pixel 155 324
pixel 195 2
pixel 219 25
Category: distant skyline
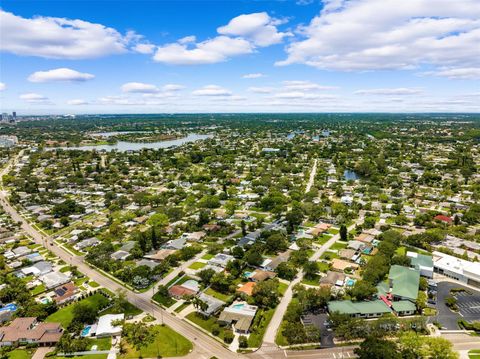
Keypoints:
pixel 85 57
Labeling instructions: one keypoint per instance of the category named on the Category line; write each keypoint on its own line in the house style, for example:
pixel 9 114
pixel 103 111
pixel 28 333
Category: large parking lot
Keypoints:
pixel 468 304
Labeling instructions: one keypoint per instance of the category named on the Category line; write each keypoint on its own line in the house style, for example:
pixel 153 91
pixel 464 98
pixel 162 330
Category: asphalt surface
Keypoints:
pixel 468 304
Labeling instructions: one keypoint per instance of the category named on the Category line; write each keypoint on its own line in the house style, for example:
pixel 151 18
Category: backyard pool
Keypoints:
pixel 86 331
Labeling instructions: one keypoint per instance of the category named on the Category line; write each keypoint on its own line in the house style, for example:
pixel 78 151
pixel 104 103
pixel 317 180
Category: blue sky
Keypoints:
pixel 239 56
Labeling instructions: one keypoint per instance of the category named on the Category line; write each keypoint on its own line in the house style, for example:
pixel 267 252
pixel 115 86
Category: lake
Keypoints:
pixel 123 146
pixel 350 175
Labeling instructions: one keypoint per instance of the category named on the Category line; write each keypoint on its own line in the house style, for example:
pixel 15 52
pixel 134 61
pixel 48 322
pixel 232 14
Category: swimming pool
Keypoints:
pixel 350 282
pixel 239 306
pixel 11 307
pixel 45 300
pixel 86 331
pixel 247 274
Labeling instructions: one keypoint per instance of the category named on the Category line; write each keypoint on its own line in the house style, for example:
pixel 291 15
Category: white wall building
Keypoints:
pixel 456 268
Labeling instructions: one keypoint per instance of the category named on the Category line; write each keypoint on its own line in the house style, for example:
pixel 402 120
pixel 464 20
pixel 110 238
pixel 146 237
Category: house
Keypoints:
pixel 340 265
pixel 239 315
pixel 319 229
pixel 404 282
pixel 105 326
pixel 195 236
pixel 247 288
pixel 28 331
pixel 421 262
pixel 89 242
pixel 38 269
pixel 54 279
pixel 120 255
pixel 189 287
pixel 159 255
pixel 333 279
pixel 349 254
pixel 175 244
pixel 347 200
pixel 365 238
pixel 65 293
pixel 367 309
pixel 145 262
pixel 260 275
pixel 272 264
pixel 443 218
pixel 404 307
pixel 356 245
pixel 221 260
pixel 212 304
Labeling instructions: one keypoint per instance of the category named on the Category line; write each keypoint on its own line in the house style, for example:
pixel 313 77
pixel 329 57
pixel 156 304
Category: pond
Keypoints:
pixel 123 146
pixel 350 175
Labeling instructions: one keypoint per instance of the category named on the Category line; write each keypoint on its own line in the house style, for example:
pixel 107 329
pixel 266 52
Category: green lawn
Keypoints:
pixel 130 309
pixel 38 289
pixel 333 230
pixel 93 284
pixel 164 301
pixel 20 354
pixel 205 323
pixel 323 267
pixel 197 265
pixel 282 288
pixel 259 326
pixel 181 307
pixel 208 256
pixel 323 239
pixel 474 354
pixel 329 255
pixel 167 343
pixel 218 295
pixel 313 281
pixel 65 315
pixel 338 245
pixel 89 356
pixel 401 251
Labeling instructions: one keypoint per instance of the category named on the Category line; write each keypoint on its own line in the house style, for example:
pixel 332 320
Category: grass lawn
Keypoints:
pixel 474 354
pixel 169 284
pixel 282 288
pixel 73 250
pixel 280 339
pixel 164 301
pixel 314 281
pixel 65 269
pixel 167 343
pixel 65 315
pixel 429 311
pixel 130 309
pixel 93 284
pixel 181 307
pixel 217 295
pixel 339 245
pixel 323 239
pixel 20 354
pixel 208 256
pixel 89 356
pixel 197 265
pixel 38 289
pixel 323 267
pixel 259 327
pixel 329 255
pixel 333 230
pixel 205 323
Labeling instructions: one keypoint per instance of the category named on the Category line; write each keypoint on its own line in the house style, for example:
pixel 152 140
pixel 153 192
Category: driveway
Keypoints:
pixel 318 320
pixel 468 304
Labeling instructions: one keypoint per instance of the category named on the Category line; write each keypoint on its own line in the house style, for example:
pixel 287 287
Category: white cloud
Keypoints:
pixel 145 49
pixel 187 39
pixel 139 87
pixel 77 102
pixel 3 86
pixel 61 38
pixel 468 73
pixel 172 87
pixel 390 34
pixel 295 95
pixel 257 27
pixel 35 98
pixel 212 90
pixel 389 91
pixel 253 76
pixel 261 89
pixel 215 50
pixel 60 75
pixel 305 85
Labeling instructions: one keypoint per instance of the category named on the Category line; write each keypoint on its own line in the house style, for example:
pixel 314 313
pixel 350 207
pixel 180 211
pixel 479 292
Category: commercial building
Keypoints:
pixel 367 309
pixel 404 283
pixel 464 271
pixel 421 262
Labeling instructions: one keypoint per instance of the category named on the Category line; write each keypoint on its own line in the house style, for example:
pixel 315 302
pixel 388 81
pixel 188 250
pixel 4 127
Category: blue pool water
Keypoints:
pixel 9 307
pixel 350 282
pixel 239 306
pixel 86 331
pixel 247 274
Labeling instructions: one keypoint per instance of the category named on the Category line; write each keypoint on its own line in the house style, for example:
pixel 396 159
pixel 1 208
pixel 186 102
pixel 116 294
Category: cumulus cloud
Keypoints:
pixel 305 86
pixel 34 98
pixel 261 89
pixel 258 27
pixel 212 90
pixel 3 86
pixel 61 38
pixel 77 102
pixel 60 75
pixel 172 87
pixel 468 73
pixel 390 91
pixel 215 50
pixel 253 76
pixel 367 35
pixel 139 87
pixel 242 35
pixel 145 49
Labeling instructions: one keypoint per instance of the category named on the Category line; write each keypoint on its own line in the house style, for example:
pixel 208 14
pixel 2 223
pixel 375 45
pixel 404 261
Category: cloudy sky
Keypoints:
pixel 157 56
